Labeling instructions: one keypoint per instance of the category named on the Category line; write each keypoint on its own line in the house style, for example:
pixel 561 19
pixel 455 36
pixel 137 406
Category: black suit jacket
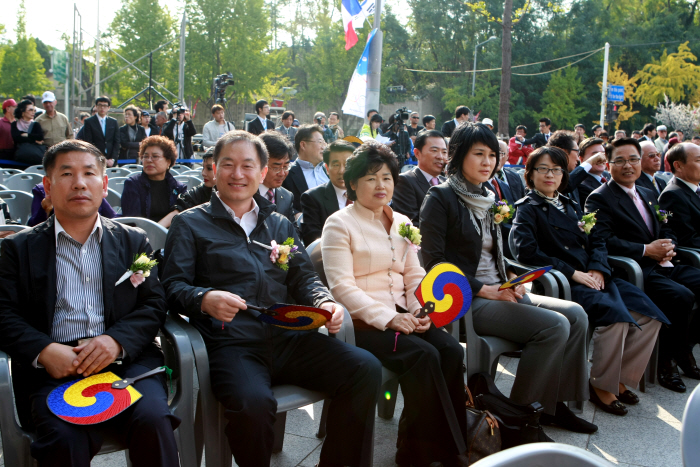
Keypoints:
pixel 284 204
pixel 317 205
pixel 130 149
pixel 447 128
pixel 256 127
pixel 684 204
pixel 512 192
pixel 538 140
pixel 109 142
pixel 587 186
pixel 409 194
pixel 644 181
pixel 188 130
pixel 619 222
pixel 296 183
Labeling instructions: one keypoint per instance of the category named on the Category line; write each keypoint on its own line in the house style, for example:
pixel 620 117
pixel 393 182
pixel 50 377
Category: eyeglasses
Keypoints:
pixel 415 118
pixel 622 162
pixel 545 170
pixel 317 141
pixel 653 155
pixel 152 158
pixel 277 170
pixel 102 105
pixel 502 153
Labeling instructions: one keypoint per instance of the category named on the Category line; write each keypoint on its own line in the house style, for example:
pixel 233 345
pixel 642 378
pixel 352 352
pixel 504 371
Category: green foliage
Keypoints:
pixel 561 97
pixel 673 75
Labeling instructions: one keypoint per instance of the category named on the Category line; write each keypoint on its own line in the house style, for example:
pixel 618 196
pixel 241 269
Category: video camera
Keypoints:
pixel 221 82
pixel 401 115
pixel 178 108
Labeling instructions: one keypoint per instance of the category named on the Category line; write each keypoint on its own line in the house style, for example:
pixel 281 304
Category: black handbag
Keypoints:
pixel 519 424
pixel 483 431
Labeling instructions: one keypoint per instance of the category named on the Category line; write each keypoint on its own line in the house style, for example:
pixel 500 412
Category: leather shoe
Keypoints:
pixel 565 418
pixel 669 377
pixel 615 408
pixel 689 366
pixel 628 397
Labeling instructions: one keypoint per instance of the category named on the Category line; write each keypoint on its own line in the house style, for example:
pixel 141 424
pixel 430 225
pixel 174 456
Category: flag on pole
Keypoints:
pixel 357 90
pixel 352 13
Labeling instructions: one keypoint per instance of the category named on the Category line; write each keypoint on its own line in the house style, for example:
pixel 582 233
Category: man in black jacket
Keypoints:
pixel 180 129
pixel 651 163
pixel 578 171
pixel 541 138
pixel 262 123
pixel 319 203
pixel 217 260
pixel 628 219
pixel 62 317
pixel 431 151
pixel 681 196
pixel 597 174
pixel 102 131
pixel 278 151
pixel 461 115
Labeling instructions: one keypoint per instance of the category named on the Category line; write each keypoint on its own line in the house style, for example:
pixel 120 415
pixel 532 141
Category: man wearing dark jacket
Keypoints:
pixel 63 317
pixel 461 115
pixel 262 123
pixel 278 151
pixel 199 194
pixel 102 131
pixel 308 171
pixel 651 163
pixel 217 261
pixel 181 130
pixel 541 138
pixel 681 195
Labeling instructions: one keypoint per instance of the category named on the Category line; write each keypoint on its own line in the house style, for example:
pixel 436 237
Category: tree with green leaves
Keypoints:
pixel 22 69
pixel 673 75
pixel 564 92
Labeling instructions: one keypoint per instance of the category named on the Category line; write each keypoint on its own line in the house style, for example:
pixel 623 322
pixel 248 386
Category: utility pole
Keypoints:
pixel 181 86
pixel 604 97
pixel 97 54
pixel 374 65
pixel 66 90
pixel 150 79
pixel 476 47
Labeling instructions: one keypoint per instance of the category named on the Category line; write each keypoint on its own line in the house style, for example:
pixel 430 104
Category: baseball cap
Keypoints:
pixel 145 114
pixel 487 121
pixel 8 103
pixel 48 96
pixel 661 128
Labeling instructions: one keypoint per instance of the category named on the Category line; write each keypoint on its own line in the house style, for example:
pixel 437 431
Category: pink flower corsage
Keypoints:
pixel 275 252
pixel 281 255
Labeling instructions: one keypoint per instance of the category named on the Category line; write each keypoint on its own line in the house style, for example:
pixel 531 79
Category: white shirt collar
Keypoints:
pixel 427 176
pixel 263 120
pixel 690 185
pixel 305 164
pixel 58 228
pixel 457 123
pixel 262 189
pixel 339 192
pixel 629 191
pixel 239 220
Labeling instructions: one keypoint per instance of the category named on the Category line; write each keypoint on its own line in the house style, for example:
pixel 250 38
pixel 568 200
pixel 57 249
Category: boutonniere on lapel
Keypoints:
pixel 139 270
pixel 502 211
pixel 412 236
pixel 587 222
pixel 662 215
pixel 280 255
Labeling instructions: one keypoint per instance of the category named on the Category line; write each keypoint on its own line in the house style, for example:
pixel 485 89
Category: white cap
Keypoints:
pixel 48 96
pixel 487 121
pixel 661 128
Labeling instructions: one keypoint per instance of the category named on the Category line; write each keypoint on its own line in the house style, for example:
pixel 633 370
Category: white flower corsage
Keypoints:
pixel 139 270
pixel 281 254
pixel 412 236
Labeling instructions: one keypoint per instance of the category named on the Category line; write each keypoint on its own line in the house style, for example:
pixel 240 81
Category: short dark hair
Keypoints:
pixel 287 114
pixel 277 144
pixel 72 145
pixel 521 127
pixel 104 99
pixel 427 119
pixel 334 113
pixel 546 121
pixel 603 133
pixel 208 154
pixel 370 111
pixel 558 157
pixel 696 137
pixel 595 127
pixel 338 145
pixel 304 133
pixel 158 107
pixel 216 107
pixel 648 128
pixel 423 138
pixel 562 139
pixel 83 116
pixel 677 153
pixel 21 107
pixel 636 132
pixel 463 138
pixel 29 97
pixel 367 159
pixel 587 143
pixel 673 134
pixel 376 118
pixel 259 105
pixel 134 110
pixel 618 143
pixel 462 110
pixel 165 144
pixel 579 125
pixel 235 136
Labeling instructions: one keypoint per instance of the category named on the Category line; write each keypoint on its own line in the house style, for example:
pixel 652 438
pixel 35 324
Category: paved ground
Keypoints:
pixel 649 436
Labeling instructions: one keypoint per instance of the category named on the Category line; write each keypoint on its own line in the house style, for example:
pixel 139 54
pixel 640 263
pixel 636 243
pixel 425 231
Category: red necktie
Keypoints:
pixel 270 196
pixel 603 180
pixel 497 188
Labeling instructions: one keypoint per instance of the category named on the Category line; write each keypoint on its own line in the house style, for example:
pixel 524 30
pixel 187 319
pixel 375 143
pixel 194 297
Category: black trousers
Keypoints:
pixel 675 291
pixel 243 372
pixel 433 424
pixel 146 427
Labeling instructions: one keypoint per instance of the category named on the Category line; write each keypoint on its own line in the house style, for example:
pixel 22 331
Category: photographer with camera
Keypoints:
pixel 215 129
pixel 334 129
pixel 180 130
pixel 401 142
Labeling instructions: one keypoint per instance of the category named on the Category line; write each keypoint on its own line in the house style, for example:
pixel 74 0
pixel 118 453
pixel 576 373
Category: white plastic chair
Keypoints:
pixel 156 233
pixel 19 203
pixel 690 431
pixel 117 184
pixel 183 179
pixel 133 167
pixel 118 172
pixel 543 454
pixel 36 169
pixel 114 198
pixel 179 168
pixel 192 173
pixel 23 181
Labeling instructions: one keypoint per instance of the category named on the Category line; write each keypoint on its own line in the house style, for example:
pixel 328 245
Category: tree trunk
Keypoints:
pixel 504 101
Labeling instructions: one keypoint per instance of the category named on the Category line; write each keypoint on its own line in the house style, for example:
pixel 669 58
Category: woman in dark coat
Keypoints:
pixel 131 134
pixel 550 230
pixel 25 130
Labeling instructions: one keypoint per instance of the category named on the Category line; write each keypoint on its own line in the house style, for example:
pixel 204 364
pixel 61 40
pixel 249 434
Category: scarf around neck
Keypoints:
pixel 554 201
pixel 23 125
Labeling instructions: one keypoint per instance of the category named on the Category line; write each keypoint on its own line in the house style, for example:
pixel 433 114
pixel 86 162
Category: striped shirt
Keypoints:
pixel 79 311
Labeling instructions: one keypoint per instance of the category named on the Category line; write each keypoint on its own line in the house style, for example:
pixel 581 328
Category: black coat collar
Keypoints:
pixel 568 221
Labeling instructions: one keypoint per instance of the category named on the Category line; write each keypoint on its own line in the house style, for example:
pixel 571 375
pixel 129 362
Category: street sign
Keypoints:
pixel 58 65
pixel 616 93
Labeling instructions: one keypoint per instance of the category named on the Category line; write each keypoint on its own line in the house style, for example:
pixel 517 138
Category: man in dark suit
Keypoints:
pixel 461 115
pixel 681 196
pixel 431 152
pixel 597 175
pixel 651 163
pixel 102 131
pixel 578 171
pixel 628 219
pixel 278 150
pixel 262 123
pixel 541 138
pixel 320 202
pixel 62 317
pixel 648 133
pixel 308 170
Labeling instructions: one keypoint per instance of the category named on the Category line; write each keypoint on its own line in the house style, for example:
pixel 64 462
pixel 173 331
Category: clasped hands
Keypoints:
pixel 61 361
pixel 592 279
pixel 224 306
pixel 407 323
pixel 660 250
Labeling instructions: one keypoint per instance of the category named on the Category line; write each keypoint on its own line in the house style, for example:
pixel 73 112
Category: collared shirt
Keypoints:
pixel 79 310
pixel 427 176
pixel 653 181
pixel 597 177
pixel 180 139
pixel 290 132
pixel 147 129
pixel 249 219
pixel 103 123
pixel 457 123
pixel 262 189
pixel 314 176
pixel 56 128
pixel 341 195
pixel 263 121
pixel 690 185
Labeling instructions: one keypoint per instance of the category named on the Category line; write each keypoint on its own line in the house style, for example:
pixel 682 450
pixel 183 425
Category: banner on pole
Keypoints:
pixel 357 89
